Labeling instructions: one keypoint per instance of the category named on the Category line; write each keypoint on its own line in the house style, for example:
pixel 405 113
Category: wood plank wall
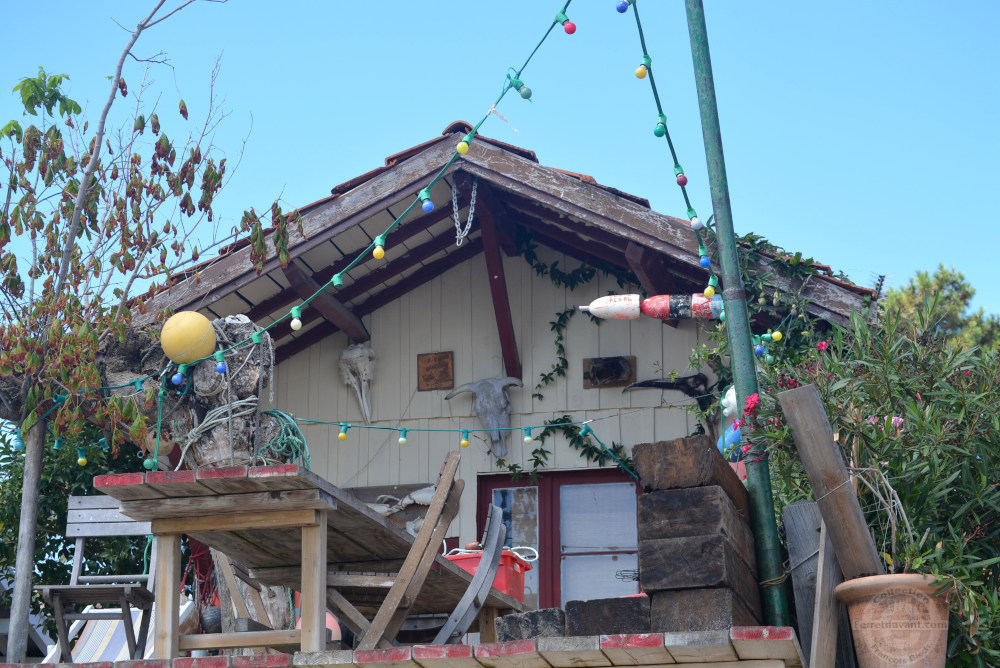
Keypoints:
pixel 455 313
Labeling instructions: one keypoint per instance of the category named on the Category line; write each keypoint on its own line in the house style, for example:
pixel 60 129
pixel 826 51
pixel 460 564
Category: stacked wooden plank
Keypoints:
pixel 696 550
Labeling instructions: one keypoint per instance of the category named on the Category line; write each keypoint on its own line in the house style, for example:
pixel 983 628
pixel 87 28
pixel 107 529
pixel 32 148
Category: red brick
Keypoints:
pixel 762 633
pixel 262 660
pixel 442 651
pixel 631 640
pixel 382 655
pixel 202 662
pixel 506 648
pixel 117 480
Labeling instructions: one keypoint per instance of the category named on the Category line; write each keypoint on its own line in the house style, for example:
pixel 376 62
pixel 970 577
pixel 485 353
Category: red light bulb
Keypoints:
pixel 569 27
pixel 682 180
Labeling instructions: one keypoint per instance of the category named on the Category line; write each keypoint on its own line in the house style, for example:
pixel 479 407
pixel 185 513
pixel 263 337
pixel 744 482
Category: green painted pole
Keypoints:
pixel 769 562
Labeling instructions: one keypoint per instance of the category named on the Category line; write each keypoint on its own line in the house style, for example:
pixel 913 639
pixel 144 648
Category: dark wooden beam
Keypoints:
pixel 404 232
pixel 416 279
pixel 549 233
pixel 650 268
pixel 536 210
pixel 325 303
pixel 498 283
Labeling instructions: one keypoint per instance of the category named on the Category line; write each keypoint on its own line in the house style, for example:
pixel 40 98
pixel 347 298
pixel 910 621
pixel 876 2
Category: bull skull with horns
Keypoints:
pixel 492 406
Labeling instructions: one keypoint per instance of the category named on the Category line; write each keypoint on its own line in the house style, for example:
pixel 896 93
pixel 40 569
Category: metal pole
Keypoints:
pixel 24 564
pixel 769 562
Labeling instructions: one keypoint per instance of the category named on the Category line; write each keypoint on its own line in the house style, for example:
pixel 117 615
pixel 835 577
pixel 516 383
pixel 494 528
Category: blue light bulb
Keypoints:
pixel 622 6
pixel 759 349
pixel 427 206
pixel 705 262
pixel 177 378
pixel 221 367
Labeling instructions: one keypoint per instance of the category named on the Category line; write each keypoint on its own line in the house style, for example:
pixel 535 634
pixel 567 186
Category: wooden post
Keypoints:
pixel 313 600
pixel 168 596
pixel 802 525
pixel 824 465
pixel 17 637
pixel 831 641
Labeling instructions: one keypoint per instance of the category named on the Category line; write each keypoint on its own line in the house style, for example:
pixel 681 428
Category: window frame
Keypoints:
pixel 549 483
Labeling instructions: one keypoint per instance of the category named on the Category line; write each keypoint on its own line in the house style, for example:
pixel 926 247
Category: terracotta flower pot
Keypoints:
pixel 897 620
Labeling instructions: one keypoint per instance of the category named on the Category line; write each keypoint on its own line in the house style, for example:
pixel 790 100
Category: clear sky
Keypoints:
pixel 864 134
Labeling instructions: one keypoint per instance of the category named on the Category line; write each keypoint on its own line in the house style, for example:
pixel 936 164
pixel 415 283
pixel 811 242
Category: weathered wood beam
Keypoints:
pixel 403 233
pixel 234 271
pixel 416 279
pixel 498 283
pixel 650 268
pixel 560 238
pixel 331 308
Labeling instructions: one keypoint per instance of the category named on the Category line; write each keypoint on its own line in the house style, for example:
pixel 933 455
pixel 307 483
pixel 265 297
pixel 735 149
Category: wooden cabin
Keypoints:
pixel 438 315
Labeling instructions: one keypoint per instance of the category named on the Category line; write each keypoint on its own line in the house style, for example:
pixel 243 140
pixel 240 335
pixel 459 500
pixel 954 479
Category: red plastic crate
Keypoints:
pixel 510 572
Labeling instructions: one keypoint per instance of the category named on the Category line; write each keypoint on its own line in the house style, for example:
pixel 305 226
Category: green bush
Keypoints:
pixel 917 418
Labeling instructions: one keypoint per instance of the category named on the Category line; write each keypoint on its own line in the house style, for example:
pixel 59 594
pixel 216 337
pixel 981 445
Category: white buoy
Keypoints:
pixel 614 307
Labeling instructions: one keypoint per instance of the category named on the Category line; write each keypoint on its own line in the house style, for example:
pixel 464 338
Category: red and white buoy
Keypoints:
pixel 661 307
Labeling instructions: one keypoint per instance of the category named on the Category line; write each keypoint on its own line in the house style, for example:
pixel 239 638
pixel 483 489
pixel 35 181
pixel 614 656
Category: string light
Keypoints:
pixel 519 86
pixel 256 338
pixel 178 377
pixel 103 444
pixel 137 384
pixel 81 456
pixel 704 260
pixel 57 446
pixel 379 251
pixel 149 463
pixel 527 435
pixel 337 280
pixel 713 283
pixel 622 6
pixel 296 323
pixel 18 442
pixel 465 438
pixel 425 200
pixel 567 25
pixel 220 361
pixel 777 336
pixel 402 436
pixel 343 431
pixel 463 146
pixel 643 68
pixel 661 125
pixel 584 430
pixel 679 173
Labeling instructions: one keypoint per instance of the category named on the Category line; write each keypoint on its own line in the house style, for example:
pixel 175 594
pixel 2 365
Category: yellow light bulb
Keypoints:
pixel 465 442
pixel 710 292
pixel 463 147
pixel 342 436
pixel 776 336
pixel 378 253
pixel 82 461
pixel 640 72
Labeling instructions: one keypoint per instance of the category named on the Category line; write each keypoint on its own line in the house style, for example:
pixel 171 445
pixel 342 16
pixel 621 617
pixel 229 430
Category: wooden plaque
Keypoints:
pixel 435 371
pixel 600 372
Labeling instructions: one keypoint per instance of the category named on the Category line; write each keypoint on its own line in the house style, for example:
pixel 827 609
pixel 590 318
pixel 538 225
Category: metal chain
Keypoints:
pixel 461 233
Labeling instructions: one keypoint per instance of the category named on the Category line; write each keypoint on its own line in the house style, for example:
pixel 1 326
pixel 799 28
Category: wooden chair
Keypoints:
pixel 98 517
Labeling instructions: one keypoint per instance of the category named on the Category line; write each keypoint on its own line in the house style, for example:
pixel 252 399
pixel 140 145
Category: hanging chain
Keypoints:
pixel 461 233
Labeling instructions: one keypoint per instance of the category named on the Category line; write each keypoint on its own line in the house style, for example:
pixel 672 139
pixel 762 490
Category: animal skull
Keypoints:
pixel 357 369
pixel 492 407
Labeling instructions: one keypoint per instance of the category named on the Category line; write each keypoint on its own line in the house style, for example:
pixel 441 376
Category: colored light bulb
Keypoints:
pixel 622 6
pixel 296 322
pixel 769 359
pixel 682 180
pixel 777 336
pixel 343 432
pixel 705 261
pixel 465 438
pixel 148 464
pixel 402 436
pixel 220 361
pixel 696 223
pixel 81 456
pixel 527 435
pixel 722 317
pixel 425 200
pixel 379 251
pixel 463 147
pixel 178 377
pixel 519 86
pixel 640 72
pixel 759 349
pixel 569 27
pixel 660 130
pixel 710 292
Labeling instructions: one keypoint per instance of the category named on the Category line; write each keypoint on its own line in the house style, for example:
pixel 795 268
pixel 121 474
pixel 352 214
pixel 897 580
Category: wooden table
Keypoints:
pixel 289 527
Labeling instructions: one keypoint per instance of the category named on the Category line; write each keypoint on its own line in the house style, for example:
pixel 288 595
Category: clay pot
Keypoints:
pixel 897 620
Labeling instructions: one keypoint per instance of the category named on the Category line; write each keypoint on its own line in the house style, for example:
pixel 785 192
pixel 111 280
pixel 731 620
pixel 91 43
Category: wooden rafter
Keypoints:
pixel 498 283
pixel 426 273
pixel 650 268
pixel 326 304
pixel 583 249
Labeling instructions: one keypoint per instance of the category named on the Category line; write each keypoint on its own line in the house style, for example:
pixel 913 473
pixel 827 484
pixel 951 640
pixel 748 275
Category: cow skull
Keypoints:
pixel 357 369
pixel 492 407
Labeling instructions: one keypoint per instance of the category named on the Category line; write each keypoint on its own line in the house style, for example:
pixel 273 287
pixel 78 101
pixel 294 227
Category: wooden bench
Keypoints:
pixel 99 517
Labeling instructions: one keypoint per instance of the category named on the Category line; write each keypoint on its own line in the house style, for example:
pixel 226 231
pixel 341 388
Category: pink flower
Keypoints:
pixel 822 345
pixel 746 449
pixel 753 401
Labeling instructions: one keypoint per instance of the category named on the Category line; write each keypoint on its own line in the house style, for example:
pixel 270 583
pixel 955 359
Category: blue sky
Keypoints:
pixel 864 134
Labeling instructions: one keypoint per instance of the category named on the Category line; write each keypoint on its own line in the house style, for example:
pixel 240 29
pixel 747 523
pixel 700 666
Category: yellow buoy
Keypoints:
pixel 187 336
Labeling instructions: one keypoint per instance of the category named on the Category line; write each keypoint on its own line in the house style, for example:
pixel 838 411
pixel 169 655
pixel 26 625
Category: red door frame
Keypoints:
pixel 550 587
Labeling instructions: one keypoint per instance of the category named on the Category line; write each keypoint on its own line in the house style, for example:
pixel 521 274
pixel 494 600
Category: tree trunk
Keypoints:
pixel 24 566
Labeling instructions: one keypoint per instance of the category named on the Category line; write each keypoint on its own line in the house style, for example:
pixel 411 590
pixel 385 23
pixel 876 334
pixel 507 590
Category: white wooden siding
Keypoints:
pixel 455 313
